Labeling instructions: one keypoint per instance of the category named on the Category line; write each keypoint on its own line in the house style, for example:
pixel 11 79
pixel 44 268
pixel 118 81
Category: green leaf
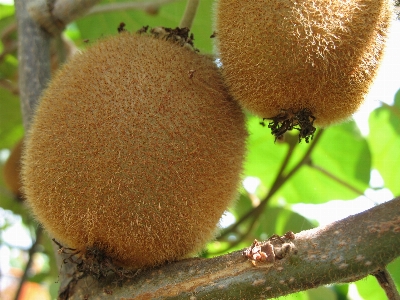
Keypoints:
pixel 242 206
pixel 394 270
pixel 341 291
pixel 345 153
pixel 295 296
pixel 169 15
pixel 384 141
pixel 6 11
pixel 11 129
pixel 321 292
pixel 395 116
pixel 279 220
pixel 339 169
pixel 264 157
pixel 369 288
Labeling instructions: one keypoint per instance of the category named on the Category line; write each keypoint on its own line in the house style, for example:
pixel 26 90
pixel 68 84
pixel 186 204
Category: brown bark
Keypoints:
pixel 33 60
pixel 343 251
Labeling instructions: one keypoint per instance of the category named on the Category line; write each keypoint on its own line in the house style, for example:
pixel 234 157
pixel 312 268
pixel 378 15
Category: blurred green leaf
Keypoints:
pixel 394 270
pixel 279 220
pixel 321 292
pixel 11 129
pixel 369 288
pixel 39 278
pixel 341 291
pixel 340 168
pixel 242 206
pixel 264 157
pixel 345 153
pixel 295 296
pixel 384 141
pixel 395 116
pixel 169 15
pixel 341 164
pixel 6 11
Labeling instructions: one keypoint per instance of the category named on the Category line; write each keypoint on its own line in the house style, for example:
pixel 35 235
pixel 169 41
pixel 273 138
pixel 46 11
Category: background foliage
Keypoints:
pixel 336 165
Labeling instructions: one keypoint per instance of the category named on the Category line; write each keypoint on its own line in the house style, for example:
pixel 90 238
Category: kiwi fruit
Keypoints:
pixel 301 60
pixel 12 170
pixel 136 148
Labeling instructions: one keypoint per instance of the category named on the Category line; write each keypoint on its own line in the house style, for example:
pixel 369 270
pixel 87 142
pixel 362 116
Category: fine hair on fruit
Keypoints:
pixel 301 60
pixel 136 148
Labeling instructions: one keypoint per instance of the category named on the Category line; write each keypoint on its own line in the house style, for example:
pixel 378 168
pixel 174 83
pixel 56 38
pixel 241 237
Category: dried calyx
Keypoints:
pixel 287 120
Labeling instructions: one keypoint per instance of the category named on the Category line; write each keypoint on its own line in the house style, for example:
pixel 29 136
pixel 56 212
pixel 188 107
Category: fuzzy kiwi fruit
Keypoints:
pixel 133 152
pixel 12 170
pixel 315 57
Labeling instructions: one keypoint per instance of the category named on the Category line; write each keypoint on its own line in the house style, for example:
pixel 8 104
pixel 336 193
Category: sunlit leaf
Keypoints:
pixel 321 292
pixel 295 296
pixel 384 141
pixel 264 157
pixel 11 129
pixel 339 168
pixel 341 291
pixel 369 288
pixel 241 206
pixel 6 11
pixel 279 220
pixel 394 270
pixel 169 15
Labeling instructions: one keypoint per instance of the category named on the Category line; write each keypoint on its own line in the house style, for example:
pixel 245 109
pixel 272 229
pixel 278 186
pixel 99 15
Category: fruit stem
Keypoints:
pixel 190 13
pixel 386 282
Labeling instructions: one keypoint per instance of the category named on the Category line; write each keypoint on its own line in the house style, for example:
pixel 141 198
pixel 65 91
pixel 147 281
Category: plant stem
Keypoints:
pixel 335 178
pixel 387 284
pixel 190 13
pixel 31 252
pixel 279 181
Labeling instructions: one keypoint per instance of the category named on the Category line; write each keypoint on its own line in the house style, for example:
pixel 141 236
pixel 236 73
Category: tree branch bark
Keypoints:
pixel 344 251
pixel 33 60
pixel 54 15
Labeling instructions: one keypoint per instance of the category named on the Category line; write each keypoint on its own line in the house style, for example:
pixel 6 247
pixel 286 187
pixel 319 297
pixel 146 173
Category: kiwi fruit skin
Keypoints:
pixel 291 55
pixel 130 154
pixel 12 170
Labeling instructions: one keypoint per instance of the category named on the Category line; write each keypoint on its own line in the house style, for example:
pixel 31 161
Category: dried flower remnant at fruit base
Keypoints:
pixel 287 120
pixel 301 63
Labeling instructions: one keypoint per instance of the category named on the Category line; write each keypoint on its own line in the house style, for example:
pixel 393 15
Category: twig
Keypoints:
pixel 54 15
pixel 386 282
pixel 190 13
pixel 337 179
pixel 8 85
pixel 279 181
pixel 28 265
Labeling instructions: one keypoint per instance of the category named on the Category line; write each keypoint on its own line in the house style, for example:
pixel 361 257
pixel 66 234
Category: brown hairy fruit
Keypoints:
pixel 128 154
pixel 281 57
pixel 12 170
